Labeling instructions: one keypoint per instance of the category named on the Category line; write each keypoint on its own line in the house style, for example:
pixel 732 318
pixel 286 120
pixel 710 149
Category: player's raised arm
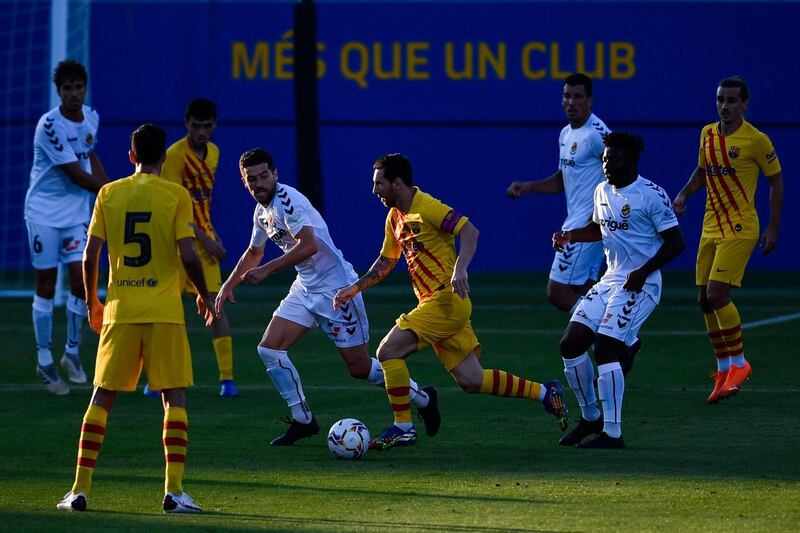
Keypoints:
pixel 379 270
pixel 769 239
pixel 696 182
pixel 91 256
pixel 467 246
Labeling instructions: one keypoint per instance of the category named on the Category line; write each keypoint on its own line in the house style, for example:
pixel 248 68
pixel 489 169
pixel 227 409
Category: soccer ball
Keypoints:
pixel 348 439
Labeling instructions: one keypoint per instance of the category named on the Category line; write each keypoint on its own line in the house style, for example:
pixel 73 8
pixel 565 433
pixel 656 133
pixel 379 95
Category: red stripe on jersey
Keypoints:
pixel 203 218
pixel 175 441
pixel 176 424
pixel 495 381
pixel 93 428
pixel 89 445
pixel 417 279
pixel 738 183
pixel 414 262
pixel 175 458
pixel 721 179
pixel 87 462
pixel 712 155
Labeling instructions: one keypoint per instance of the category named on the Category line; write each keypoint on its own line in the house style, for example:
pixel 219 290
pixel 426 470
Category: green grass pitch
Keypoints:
pixel 495 465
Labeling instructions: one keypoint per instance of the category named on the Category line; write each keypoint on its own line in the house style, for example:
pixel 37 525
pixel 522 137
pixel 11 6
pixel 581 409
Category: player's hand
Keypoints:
pixel 254 276
pixel 635 281
pixel 224 295
pixel 343 295
pixel 460 283
pixel 96 317
pixel 213 247
pixel 205 308
pixel 679 204
pixel 769 240
pixel 560 240
pixel 516 189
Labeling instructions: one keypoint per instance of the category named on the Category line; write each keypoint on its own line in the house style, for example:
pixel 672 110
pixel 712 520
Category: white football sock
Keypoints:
pixel 738 360
pixel 580 376
pixel 43 329
pixel 76 320
pixel 611 386
pixel 286 379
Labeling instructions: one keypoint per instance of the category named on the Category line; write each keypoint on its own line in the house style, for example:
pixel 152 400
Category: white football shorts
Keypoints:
pixel 51 246
pixel 614 312
pixel 347 326
pixel 578 263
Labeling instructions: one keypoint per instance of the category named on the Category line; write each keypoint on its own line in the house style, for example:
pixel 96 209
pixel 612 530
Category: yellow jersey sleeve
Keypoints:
pixel 391 248
pixel 765 156
pixel 172 168
pixel 97 226
pixel 442 216
pixel 183 216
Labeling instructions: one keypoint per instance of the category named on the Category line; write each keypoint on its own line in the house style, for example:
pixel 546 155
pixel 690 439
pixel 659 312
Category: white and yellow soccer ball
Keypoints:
pixel 348 439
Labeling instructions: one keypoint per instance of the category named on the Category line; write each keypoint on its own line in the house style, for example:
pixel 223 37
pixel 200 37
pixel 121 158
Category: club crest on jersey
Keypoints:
pixel 734 151
pixel 89 139
pixel 626 211
pixel 573 148
pixel 414 227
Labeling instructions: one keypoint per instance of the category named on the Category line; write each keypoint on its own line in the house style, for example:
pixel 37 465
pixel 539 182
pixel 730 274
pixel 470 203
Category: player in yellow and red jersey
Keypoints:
pixel 145 222
pixel 192 162
pixel 732 155
pixel 423 230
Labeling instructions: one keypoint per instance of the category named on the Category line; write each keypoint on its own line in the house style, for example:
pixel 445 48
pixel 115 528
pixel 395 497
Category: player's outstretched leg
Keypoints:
pixel 501 383
pixel 93 430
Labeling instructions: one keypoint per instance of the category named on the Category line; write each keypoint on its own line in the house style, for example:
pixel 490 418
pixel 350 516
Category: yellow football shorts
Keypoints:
pixel 211 271
pixel 442 321
pixel 723 260
pixel 161 349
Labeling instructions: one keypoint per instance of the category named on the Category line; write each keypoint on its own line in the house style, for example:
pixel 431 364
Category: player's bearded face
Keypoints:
pixel 260 182
pixel 382 188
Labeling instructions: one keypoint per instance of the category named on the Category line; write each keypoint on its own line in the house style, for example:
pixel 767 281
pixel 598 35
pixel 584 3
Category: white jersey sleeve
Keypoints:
pixel 661 213
pixel 258 237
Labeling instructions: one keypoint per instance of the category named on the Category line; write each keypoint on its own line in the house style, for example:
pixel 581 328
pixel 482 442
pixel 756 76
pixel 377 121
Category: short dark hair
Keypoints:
pixel 580 79
pixel 631 143
pixel 395 166
pixel 69 69
pixel 149 142
pixel 201 108
pixel 256 156
pixel 737 81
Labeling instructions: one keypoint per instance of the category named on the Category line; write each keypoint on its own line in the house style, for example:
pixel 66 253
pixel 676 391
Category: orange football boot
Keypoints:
pixel 719 381
pixel 736 378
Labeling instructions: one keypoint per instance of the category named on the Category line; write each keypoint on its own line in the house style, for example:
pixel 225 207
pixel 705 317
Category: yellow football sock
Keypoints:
pixel 93 431
pixel 731 328
pixel 502 383
pixel 223 349
pixel 176 440
pixel 397 379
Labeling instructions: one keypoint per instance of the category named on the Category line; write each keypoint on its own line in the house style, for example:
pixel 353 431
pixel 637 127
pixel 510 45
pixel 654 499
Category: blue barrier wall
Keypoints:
pixel 471 92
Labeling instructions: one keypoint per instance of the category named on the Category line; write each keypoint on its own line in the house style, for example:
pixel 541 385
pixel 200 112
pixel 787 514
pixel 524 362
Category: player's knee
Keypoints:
pixel 569 347
pixel 608 349
pixel 468 385
pixel 360 368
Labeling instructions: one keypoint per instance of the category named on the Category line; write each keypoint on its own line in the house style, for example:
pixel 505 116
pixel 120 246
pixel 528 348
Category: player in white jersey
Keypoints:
pixel 580 169
pixel 287 218
pixel 65 176
pixel 639 231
